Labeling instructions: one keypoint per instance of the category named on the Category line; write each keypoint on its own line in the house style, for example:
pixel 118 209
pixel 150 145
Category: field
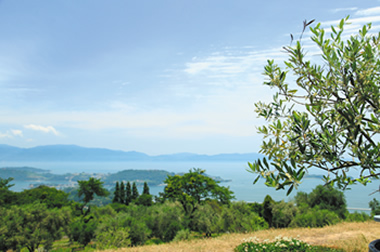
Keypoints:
pixel 348 236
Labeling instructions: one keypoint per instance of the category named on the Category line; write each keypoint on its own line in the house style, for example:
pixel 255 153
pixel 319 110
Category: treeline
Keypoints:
pixel 192 205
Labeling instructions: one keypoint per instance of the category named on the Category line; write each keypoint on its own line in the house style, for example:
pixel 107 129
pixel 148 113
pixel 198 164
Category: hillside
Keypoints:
pixel 73 153
pixel 348 236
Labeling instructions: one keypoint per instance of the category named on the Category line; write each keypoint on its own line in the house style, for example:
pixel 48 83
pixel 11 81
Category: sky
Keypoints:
pixel 157 77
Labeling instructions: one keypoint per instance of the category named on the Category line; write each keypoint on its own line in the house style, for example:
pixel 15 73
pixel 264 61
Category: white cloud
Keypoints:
pixel 47 129
pixel 344 9
pixel 368 12
pixel 11 134
pixel 17 132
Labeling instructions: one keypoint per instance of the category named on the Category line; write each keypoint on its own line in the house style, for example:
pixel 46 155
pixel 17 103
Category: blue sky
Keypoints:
pixel 153 76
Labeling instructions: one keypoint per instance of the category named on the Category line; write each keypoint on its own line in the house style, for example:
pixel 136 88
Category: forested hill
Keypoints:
pixel 62 153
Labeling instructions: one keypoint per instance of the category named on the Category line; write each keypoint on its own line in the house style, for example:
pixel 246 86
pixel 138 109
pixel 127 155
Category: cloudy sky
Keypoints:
pixel 158 77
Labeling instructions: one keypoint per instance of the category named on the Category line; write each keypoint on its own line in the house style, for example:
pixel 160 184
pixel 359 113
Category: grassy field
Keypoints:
pixel 348 236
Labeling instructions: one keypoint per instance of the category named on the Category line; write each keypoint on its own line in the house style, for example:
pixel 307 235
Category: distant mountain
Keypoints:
pixel 74 153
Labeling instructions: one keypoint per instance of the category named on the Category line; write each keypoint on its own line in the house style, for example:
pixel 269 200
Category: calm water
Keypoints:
pixel 241 184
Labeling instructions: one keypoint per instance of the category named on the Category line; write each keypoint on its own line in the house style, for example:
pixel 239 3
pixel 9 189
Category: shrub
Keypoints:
pixel 283 214
pixel 357 217
pixel 182 235
pixel 238 217
pixel 315 218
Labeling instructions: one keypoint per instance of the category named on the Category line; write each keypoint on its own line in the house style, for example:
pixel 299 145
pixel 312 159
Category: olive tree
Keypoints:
pixel 193 188
pixel 326 115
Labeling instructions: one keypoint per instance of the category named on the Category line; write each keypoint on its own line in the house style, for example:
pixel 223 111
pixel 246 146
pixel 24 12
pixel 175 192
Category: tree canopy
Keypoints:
pixel 326 115
pixel 191 188
pixel 89 187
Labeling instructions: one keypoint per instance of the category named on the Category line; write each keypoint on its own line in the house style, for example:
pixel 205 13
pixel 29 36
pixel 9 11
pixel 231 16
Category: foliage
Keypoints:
pixel 128 193
pixel 283 213
pixel 238 217
pixel 144 200
pixel 327 197
pixel 375 207
pixel 88 188
pixel 48 195
pixel 207 220
pixel 82 231
pixel 135 192
pixel 165 220
pixel 31 226
pixel 329 117
pixel 146 188
pixel 182 235
pixel 315 218
pixel 111 233
pixel 267 209
pixel 357 217
pixel 5 183
pixel 193 188
pixel 280 244
pixel 116 193
pixel 122 193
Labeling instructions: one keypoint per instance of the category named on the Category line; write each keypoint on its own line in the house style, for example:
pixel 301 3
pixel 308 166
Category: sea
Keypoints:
pixel 240 179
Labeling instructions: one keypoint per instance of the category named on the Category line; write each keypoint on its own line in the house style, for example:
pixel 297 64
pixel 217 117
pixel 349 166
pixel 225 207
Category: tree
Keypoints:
pixel 5 183
pixel 135 192
pixel 83 229
pixel 116 193
pixel 31 226
pixel 145 198
pixel 89 187
pixel 267 209
pixel 50 196
pixel 327 197
pixel 122 193
pixel 329 118
pixel 146 189
pixel 193 188
pixel 128 193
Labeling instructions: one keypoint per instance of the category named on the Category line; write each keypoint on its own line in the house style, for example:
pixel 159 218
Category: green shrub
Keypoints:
pixel 283 213
pixel 357 217
pixel 280 244
pixel 238 217
pixel 182 235
pixel 315 218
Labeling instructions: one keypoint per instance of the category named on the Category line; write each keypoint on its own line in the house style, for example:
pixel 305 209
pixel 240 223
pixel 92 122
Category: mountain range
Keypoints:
pixel 74 153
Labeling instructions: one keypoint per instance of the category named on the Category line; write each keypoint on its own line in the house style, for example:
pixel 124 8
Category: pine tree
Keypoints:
pixel 116 194
pixel 146 189
pixel 128 193
pixel 122 193
pixel 135 192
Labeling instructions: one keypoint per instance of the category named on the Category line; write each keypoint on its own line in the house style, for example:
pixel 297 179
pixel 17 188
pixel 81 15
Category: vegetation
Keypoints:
pixel 329 116
pixel 193 189
pixel 38 217
pixel 280 244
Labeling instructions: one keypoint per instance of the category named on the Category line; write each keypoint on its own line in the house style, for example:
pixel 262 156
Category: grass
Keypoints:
pixel 347 236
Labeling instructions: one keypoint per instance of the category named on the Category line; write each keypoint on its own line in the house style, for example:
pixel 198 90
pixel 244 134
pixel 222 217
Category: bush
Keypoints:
pixel 112 233
pixel 238 217
pixel 283 213
pixel 330 198
pixel 165 220
pixel 280 245
pixel 182 235
pixel 315 218
pixel 357 217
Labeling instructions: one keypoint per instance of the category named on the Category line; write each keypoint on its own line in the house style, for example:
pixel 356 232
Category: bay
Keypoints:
pixel 241 180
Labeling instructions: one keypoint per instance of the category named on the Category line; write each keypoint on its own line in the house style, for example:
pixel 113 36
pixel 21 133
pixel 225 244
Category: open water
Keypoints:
pixel 241 180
